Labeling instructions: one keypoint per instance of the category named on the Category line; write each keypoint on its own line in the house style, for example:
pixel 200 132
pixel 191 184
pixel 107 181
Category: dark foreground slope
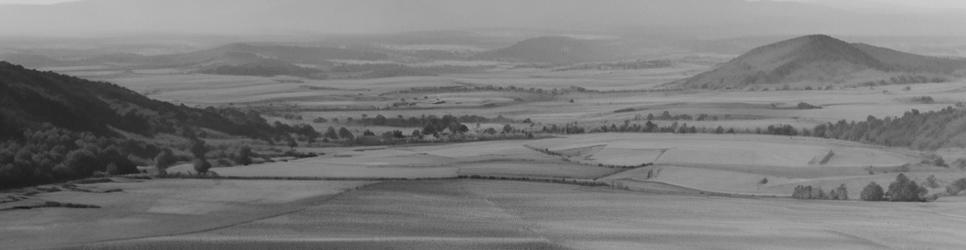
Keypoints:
pixel 29 98
pixel 57 127
pixel 823 60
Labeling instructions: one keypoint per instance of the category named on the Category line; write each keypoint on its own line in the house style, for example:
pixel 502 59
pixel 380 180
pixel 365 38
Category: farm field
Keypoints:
pixel 500 214
pixel 493 158
pixel 156 207
pixel 626 95
pixel 408 183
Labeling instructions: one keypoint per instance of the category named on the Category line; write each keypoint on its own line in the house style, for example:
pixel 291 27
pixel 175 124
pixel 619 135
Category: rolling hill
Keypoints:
pixel 820 60
pixel 29 98
pixel 552 50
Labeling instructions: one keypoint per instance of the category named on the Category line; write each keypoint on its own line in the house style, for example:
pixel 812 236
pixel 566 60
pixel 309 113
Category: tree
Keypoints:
pixel 202 166
pixel 903 189
pixel 507 129
pixel 490 131
pixel 198 148
pixel 429 130
pixel 841 193
pixel 163 161
pixel 243 156
pixel 956 187
pixel 931 182
pixel 330 133
pixel 872 192
pixel 112 169
pixel 81 162
pixel 345 134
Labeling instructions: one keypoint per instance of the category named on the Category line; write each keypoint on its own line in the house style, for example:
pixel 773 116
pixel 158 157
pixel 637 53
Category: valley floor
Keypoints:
pixel 476 214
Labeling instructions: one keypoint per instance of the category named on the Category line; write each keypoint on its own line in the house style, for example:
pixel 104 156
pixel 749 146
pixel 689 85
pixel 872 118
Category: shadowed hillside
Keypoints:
pixel 29 98
pixel 820 59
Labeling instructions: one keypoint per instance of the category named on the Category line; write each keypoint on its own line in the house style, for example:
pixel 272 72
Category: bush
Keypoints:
pixel 872 192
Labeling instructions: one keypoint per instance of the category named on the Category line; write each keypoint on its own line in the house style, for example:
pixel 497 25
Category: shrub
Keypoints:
pixel 872 192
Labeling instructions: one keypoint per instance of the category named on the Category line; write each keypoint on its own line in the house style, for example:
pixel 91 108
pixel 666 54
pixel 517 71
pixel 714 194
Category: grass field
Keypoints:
pixel 157 207
pixel 494 214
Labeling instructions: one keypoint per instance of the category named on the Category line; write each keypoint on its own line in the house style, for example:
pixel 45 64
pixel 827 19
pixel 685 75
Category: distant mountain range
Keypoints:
pixel 820 60
pixel 553 50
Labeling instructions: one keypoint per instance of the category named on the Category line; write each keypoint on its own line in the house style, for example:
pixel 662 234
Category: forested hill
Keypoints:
pixel 918 130
pixel 55 127
pixel 29 98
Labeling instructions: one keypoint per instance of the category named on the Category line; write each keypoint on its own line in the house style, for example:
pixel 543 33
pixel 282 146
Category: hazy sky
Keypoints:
pixel 32 1
pixel 896 5
pixel 693 17
pixel 891 5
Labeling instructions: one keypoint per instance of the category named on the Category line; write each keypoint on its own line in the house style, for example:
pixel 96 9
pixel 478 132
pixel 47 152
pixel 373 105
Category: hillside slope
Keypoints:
pixel 821 59
pixel 29 98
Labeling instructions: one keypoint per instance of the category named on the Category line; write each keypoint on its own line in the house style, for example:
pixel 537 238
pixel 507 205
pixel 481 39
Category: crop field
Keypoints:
pixel 494 214
pixel 725 150
pixel 156 207
pixel 495 158
pixel 631 92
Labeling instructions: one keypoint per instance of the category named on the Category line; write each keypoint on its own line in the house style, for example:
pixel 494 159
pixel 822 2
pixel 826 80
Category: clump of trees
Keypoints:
pixel 904 189
pixel 905 79
pixel 48 154
pixel 428 120
pixel 956 187
pixel 901 190
pixel 816 193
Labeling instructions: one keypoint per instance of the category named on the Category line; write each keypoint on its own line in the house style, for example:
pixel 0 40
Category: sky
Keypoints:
pixel 895 5
pixel 33 1
pixel 698 17
pixel 891 5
